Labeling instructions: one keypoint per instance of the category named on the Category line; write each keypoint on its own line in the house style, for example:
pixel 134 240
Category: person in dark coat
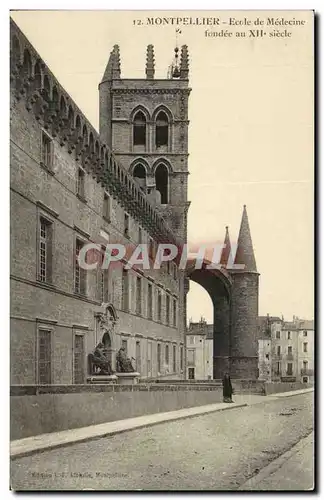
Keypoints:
pixel 227 389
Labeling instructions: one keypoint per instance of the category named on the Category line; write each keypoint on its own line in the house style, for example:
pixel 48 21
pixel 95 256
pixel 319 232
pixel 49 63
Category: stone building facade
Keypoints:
pixel 199 352
pixel 127 184
pixel 68 188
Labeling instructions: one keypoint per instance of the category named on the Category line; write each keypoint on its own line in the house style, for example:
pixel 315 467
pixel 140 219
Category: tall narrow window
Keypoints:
pixel 174 312
pixel 289 369
pixel 138 356
pixel 139 129
pixel 80 273
pixel 305 347
pixel 278 350
pixel 167 355
pixel 47 151
pixel 289 349
pixel 278 335
pixel 289 335
pixel 162 130
pixel 45 250
pixel 138 295
pixel 305 365
pixel 139 175
pixel 44 357
pixel 149 301
pixel 167 309
pixel 159 358
pixel 80 183
pixel 78 359
pixel 278 368
pixel 159 306
pixel 125 291
pixel 149 358
pixel 174 359
pixel 181 358
pixel 106 207
pixel 161 182
pixel 126 224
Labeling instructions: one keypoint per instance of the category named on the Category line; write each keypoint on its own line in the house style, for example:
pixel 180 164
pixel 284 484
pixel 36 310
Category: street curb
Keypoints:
pixel 47 446
pixel 274 465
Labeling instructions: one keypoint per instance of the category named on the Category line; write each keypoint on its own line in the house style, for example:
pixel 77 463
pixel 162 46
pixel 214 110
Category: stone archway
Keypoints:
pixel 107 323
pixel 218 284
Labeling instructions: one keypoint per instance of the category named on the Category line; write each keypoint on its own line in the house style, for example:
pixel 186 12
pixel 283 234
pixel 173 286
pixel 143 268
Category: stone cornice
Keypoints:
pixel 151 90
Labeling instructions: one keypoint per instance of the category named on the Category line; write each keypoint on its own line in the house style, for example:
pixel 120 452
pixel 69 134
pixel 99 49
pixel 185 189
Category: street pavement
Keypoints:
pixel 216 451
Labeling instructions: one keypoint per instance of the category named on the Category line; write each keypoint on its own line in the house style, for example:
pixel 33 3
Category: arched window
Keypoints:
pixel 161 182
pixel 162 130
pixel 139 129
pixel 139 175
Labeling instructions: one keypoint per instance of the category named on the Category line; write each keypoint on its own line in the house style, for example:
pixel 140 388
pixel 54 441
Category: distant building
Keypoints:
pixel 291 350
pixel 199 351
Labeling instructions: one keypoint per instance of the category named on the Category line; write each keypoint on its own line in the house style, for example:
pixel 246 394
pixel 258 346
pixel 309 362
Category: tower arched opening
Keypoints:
pixel 162 182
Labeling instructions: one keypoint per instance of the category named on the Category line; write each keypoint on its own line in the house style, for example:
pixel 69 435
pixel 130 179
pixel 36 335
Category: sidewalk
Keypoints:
pixel 292 471
pixel 42 442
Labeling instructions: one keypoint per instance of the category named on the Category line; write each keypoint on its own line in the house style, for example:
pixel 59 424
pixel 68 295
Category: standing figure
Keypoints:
pixel 227 389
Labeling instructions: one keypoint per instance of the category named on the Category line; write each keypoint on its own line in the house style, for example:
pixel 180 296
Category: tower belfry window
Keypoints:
pixel 162 130
pixel 139 129
pixel 161 182
pixel 139 175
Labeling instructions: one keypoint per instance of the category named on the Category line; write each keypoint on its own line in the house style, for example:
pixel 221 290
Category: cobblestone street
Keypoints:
pixel 218 451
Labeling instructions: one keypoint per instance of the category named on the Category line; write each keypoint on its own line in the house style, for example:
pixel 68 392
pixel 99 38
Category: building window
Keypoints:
pixel 45 250
pixel 106 207
pixel 125 290
pixel 159 358
pixel 161 130
pixel 174 359
pixel 174 312
pixel 305 365
pixel 159 306
pixel 150 301
pixel 124 345
pixel 78 359
pixel 167 309
pixel 289 369
pixel 278 335
pixel 305 333
pixel 289 349
pixel 139 129
pixel 47 151
pixel 267 356
pixel 138 356
pixel 191 373
pixel 175 271
pixel 278 368
pixel 138 295
pixel 181 357
pixel 289 335
pixel 161 182
pixel 80 273
pixel 149 359
pixel 44 357
pixel 191 356
pixel 167 354
pixel 126 224
pixel 305 347
pixel 81 183
pixel 278 350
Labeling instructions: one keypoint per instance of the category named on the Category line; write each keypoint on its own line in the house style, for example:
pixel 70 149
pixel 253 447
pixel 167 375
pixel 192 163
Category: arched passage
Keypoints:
pixel 217 284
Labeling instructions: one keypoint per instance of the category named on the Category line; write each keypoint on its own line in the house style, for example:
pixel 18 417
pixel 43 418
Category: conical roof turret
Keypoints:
pixel 245 253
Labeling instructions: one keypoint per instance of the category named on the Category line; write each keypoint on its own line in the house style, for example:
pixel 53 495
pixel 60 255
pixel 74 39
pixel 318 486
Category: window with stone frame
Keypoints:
pixel 161 130
pixel 139 129
pixel 167 309
pixel 80 274
pixel 78 359
pixel 289 335
pixel 167 360
pixel 278 350
pixel 289 349
pixel 159 305
pixel 305 347
pixel 44 361
pixel 159 358
pixel 125 290
pixel 45 250
pixel 181 357
pixel 289 368
pixel 278 335
pixel 47 151
pixel 174 312
pixel 149 301
pixel 106 207
pixel 138 356
pixel 81 183
pixel 174 359
pixel 138 295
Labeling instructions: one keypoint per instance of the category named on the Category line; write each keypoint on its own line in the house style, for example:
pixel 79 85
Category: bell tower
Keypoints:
pixel 145 122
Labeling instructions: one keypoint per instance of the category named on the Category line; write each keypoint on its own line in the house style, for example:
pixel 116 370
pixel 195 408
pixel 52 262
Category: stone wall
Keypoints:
pixel 56 408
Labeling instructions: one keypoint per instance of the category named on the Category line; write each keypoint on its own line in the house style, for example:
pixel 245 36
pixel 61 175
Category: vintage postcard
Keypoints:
pixel 162 250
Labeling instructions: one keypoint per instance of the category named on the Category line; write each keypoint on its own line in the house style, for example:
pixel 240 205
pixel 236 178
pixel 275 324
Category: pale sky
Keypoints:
pixel 250 134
